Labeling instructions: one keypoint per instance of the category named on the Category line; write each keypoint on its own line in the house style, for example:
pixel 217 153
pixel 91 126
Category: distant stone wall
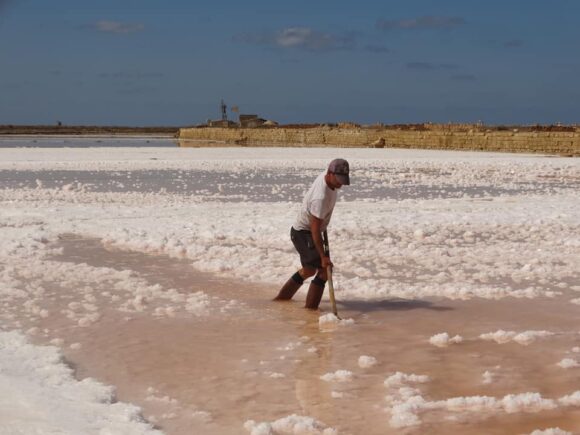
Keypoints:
pixel 546 142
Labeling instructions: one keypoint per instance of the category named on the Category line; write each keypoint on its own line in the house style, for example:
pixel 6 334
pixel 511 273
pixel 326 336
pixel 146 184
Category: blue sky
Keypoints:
pixel 154 62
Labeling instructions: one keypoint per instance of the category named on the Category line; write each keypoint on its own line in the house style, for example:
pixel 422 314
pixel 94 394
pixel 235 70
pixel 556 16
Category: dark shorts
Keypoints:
pixel 304 244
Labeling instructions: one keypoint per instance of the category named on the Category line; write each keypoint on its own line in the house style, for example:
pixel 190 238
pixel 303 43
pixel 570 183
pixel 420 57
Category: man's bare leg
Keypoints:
pixel 289 289
pixel 316 290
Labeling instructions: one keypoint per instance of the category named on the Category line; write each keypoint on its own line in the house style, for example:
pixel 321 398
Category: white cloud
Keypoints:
pixel 303 38
pixel 426 22
pixel 107 26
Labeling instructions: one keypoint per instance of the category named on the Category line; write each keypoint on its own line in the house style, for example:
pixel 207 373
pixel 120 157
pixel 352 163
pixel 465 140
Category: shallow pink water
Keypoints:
pixel 210 374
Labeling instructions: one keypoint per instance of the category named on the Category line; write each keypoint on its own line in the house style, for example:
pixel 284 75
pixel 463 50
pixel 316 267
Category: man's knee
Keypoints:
pixel 322 274
pixel 306 272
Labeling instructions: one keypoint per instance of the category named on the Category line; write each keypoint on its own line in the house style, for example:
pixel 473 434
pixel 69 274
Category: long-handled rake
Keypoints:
pixel 329 275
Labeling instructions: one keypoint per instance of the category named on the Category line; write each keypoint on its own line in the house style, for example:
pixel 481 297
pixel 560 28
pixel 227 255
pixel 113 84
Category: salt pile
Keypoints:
pixel 365 361
pixel 524 338
pixel 330 321
pixel 43 396
pixel 290 425
pixel 443 339
pixel 338 376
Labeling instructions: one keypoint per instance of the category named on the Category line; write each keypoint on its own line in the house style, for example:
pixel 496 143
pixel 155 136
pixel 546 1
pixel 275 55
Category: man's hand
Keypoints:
pixel 315 224
pixel 325 261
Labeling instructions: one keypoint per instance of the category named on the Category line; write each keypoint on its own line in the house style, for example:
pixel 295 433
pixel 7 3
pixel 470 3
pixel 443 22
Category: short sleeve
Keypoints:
pixel 315 208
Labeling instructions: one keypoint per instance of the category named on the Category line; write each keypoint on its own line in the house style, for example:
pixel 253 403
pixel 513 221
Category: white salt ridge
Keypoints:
pixel 197 303
pixel 275 375
pixel 153 396
pixel 524 338
pixel 329 321
pixel 399 379
pixel 338 376
pixel 129 292
pixel 551 431
pixel 443 339
pixel 43 396
pixel 487 377
pixel 290 425
pixel 568 363
pixel 407 403
pixel 406 412
pixel 290 346
pixel 366 361
pixel 203 416
pixel 214 240
pixel 439 223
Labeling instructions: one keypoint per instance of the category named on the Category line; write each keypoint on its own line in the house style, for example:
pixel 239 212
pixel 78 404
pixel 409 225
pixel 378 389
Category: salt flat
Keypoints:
pixel 152 269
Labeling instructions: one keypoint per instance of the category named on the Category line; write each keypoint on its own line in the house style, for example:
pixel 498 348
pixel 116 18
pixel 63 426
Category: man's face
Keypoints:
pixel 334 181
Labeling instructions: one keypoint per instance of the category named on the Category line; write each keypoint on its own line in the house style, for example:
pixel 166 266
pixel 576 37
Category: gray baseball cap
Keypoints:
pixel 339 167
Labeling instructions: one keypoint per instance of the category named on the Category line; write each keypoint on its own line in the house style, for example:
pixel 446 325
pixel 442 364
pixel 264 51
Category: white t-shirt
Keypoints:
pixel 319 201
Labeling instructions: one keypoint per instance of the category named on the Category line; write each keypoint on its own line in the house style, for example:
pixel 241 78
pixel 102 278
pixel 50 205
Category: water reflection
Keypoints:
pixel 87 141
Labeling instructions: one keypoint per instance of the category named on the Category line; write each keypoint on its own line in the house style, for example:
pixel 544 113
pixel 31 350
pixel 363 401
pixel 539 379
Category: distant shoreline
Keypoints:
pixel 86 130
pixel 171 131
pixel 555 140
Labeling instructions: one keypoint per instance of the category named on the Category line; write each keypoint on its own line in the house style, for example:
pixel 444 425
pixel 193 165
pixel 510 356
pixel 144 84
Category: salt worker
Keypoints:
pixel 306 233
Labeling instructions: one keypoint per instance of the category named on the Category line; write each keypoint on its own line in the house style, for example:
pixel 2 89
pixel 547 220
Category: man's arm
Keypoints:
pixel 315 224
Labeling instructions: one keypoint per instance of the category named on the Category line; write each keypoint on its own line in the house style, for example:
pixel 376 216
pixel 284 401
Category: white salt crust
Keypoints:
pixel 443 339
pixel 338 376
pixel 551 431
pixel 487 377
pixel 450 245
pixel 366 361
pixel 524 338
pixel 568 363
pixel 290 425
pixel 406 402
pixel 430 234
pixel 330 321
pixel 42 396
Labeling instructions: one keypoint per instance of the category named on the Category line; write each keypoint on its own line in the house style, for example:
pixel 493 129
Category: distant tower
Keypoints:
pixel 224 110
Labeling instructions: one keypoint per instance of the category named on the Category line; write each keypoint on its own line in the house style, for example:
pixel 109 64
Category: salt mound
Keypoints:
pixel 551 431
pixel 291 425
pixel 400 378
pixel 524 338
pixel 41 394
pixel 330 321
pixel 338 376
pixel 568 363
pixel 365 361
pixel 487 377
pixel 443 340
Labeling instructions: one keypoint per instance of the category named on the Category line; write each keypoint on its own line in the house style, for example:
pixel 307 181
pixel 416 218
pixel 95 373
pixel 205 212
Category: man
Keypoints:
pixel 306 233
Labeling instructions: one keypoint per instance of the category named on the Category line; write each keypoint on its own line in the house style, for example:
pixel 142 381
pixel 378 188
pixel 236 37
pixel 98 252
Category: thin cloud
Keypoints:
pixel 377 49
pixel 423 66
pixel 301 38
pixel 463 77
pixel 426 22
pixel 117 27
pixel 428 66
pixel 123 75
pixel 514 43
pixel 137 90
